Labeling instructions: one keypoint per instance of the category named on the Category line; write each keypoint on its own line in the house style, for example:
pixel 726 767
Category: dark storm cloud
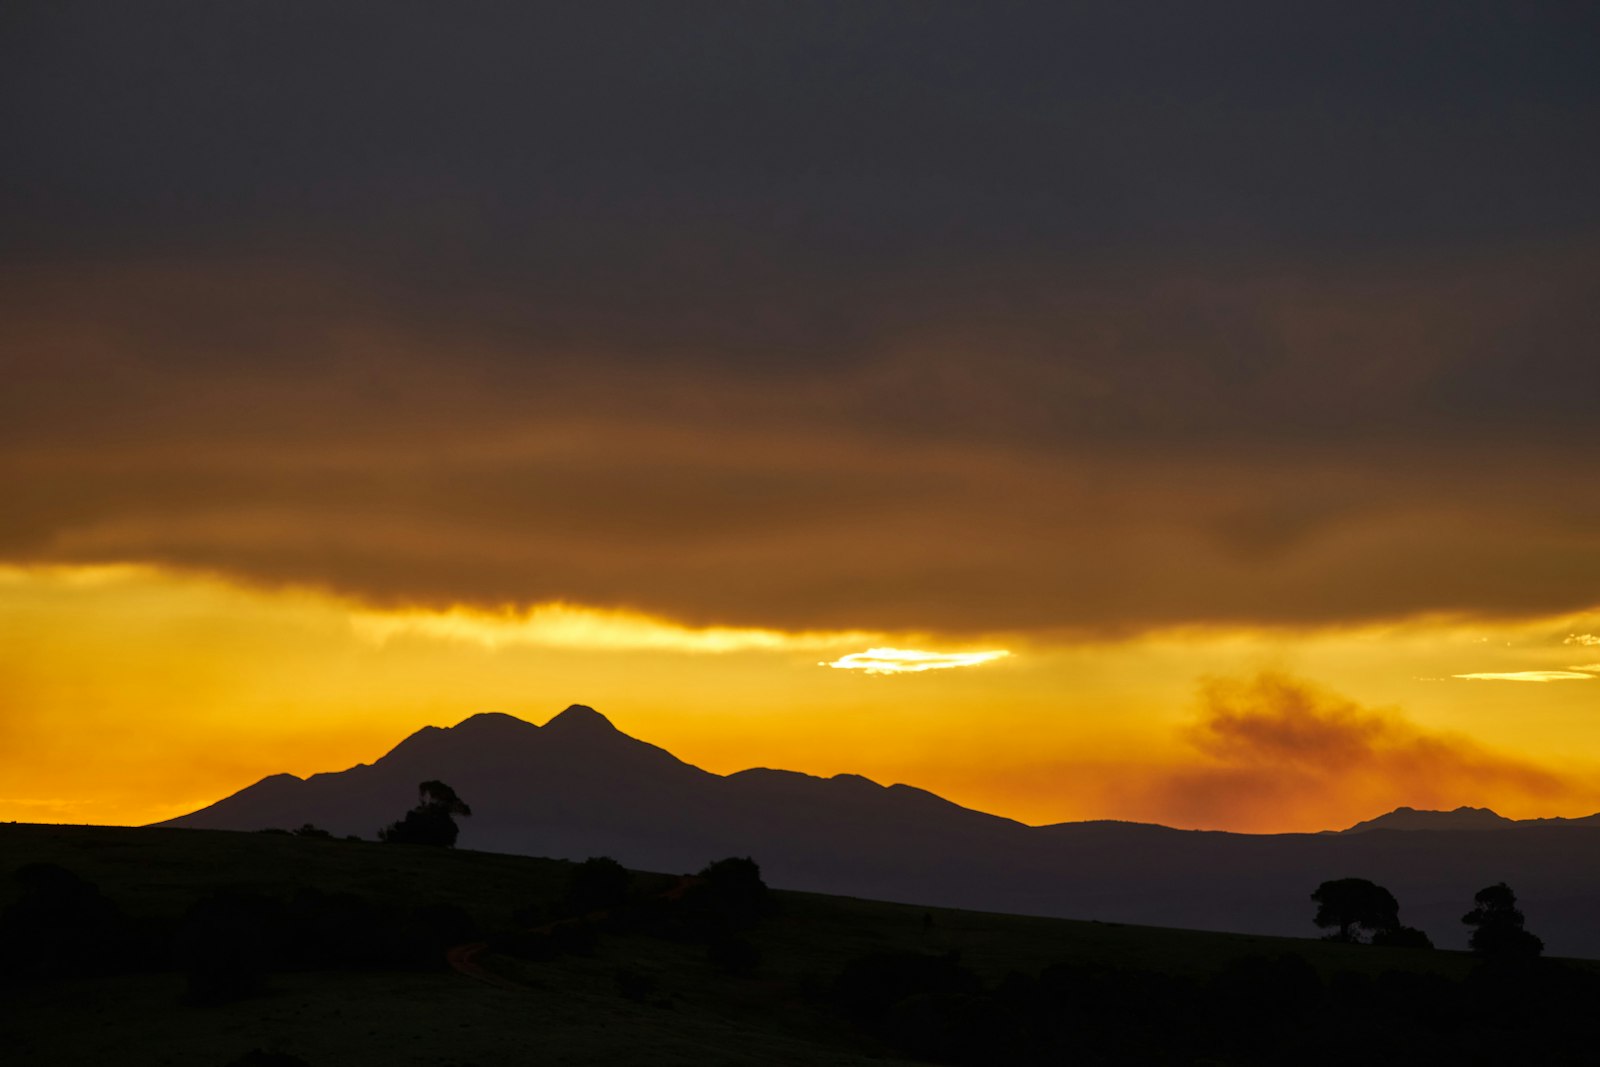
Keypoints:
pixel 975 316
pixel 850 135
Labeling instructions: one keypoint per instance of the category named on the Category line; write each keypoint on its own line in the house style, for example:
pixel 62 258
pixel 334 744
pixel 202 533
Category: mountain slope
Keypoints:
pixel 578 787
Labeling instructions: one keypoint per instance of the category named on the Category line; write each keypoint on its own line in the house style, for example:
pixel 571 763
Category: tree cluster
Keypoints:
pixel 1358 911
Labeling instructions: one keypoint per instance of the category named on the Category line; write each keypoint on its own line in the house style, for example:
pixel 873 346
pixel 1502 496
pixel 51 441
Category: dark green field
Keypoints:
pixel 680 1008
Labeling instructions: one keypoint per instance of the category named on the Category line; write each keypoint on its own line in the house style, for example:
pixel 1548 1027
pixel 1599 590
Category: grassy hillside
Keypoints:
pixel 626 987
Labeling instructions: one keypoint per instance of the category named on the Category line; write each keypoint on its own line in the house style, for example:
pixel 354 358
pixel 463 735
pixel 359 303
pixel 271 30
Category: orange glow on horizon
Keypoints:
pixel 130 694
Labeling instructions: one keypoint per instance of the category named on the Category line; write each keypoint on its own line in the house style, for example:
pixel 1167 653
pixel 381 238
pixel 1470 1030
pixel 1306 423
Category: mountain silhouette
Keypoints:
pixel 578 787
pixel 1463 818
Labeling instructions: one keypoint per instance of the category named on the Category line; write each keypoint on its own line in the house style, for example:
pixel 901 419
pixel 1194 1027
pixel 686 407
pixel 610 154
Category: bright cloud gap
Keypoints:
pixel 1526 676
pixel 559 625
pixel 909 660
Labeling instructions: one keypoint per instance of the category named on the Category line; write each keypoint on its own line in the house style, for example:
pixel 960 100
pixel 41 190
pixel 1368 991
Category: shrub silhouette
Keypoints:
pixel 1498 935
pixel 227 944
pixel 309 830
pixel 428 932
pixel 729 952
pixel 570 937
pixel 1355 905
pixel 599 883
pixel 60 925
pixel 735 888
pixel 1270 992
pixel 961 1028
pixel 432 821
pixel 574 938
pixel 635 985
pixel 335 930
pixel 869 986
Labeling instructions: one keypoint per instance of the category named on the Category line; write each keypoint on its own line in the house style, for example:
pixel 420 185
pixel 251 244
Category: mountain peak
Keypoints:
pixel 580 718
pixel 492 720
pixel 1462 818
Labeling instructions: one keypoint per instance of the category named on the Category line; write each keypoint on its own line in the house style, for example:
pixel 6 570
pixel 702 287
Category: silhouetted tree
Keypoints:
pixel 1354 905
pixel 1497 934
pixel 735 886
pixel 727 895
pixel 597 884
pixel 432 821
pixel 312 830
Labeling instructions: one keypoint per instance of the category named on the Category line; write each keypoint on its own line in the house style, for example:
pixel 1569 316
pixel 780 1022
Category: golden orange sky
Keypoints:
pixel 1232 373
pixel 135 693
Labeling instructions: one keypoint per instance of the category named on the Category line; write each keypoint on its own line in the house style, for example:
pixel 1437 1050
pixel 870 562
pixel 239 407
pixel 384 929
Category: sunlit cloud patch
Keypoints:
pixel 1582 639
pixel 910 660
pixel 1526 676
pixel 558 625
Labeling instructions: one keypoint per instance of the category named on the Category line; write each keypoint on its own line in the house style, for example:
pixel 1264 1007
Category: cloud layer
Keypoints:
pixel 812 318
pixel 972 485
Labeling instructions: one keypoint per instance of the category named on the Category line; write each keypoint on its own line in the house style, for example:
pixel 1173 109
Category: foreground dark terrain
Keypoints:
pixel 212 948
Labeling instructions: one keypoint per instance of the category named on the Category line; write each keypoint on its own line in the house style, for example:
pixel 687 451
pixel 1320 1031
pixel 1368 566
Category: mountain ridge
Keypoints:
pixel 577 786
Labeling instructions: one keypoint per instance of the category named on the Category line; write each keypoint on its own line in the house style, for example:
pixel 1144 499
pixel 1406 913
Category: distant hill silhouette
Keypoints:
pixel 579 787
pixel 1462 818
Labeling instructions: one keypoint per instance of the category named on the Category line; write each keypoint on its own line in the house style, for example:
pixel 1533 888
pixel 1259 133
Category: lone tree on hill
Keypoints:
pixel 1497 933
pixel 1355 905
pixel 726 896
pixel 597 884
pixel 432 821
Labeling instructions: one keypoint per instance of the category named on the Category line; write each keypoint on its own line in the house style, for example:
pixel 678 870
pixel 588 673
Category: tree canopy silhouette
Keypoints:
pixel 735 885
pixel 432 821
pixel 596 884
pixel 1498 934
pixel 1355 905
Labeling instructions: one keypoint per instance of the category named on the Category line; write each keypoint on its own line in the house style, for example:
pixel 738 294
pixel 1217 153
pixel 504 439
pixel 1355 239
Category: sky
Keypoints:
pixel 1231 368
